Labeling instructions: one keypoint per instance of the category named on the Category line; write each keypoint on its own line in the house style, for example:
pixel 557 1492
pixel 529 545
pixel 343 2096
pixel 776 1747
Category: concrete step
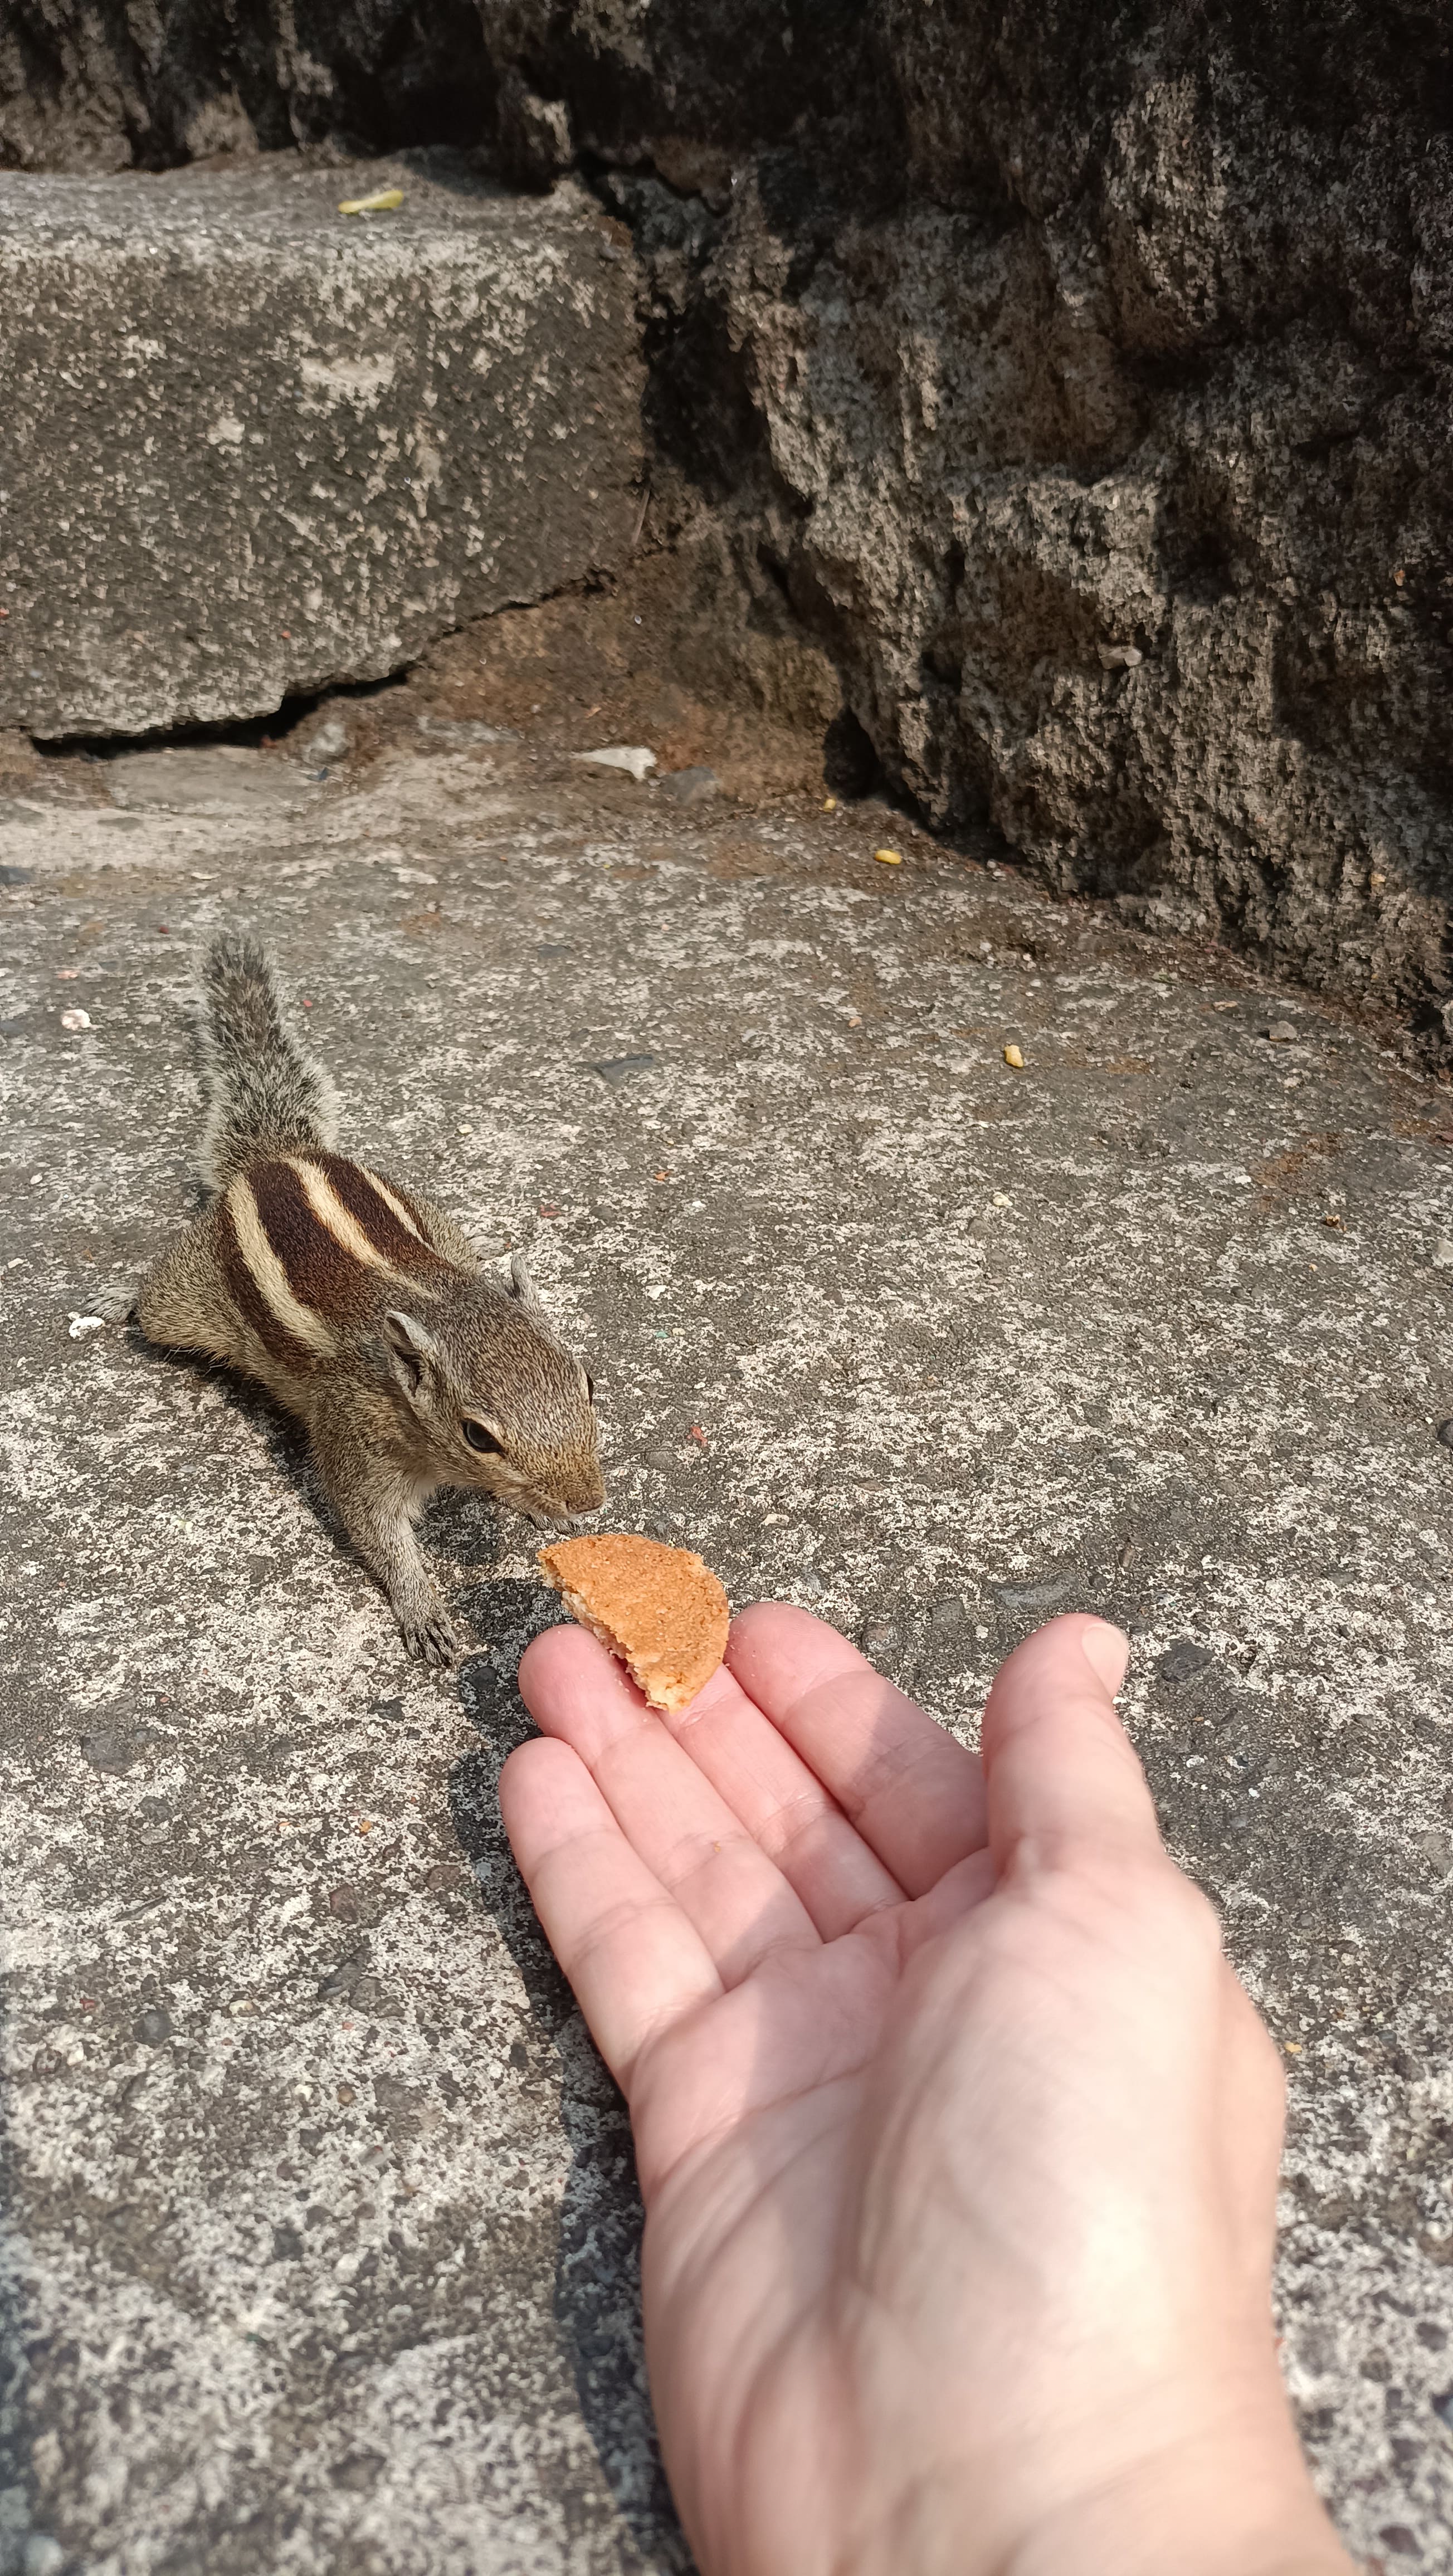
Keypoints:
pixel 254 446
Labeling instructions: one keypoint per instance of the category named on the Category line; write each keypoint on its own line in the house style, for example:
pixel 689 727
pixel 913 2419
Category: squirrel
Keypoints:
pixel 362 1310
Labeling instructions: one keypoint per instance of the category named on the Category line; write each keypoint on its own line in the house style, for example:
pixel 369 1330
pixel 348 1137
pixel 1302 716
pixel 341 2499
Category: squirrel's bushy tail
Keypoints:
pixel 264 1096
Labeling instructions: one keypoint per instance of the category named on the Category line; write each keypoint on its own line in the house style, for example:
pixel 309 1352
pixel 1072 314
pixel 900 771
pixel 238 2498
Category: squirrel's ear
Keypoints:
pixel 414 1346
pixel 520 1281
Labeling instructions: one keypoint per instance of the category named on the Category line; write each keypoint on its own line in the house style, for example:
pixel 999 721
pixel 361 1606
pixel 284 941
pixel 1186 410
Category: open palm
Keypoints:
pixel 956 2135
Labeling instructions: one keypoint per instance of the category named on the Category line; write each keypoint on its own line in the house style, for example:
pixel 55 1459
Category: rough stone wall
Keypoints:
pixel 1081 374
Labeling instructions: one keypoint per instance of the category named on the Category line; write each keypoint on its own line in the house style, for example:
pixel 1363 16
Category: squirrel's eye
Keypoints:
pixel 478 1438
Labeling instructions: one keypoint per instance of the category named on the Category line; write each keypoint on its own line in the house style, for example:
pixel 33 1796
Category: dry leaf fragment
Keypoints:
pixel 633 757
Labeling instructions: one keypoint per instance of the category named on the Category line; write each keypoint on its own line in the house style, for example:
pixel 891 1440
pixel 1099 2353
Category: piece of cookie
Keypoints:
pixel 659 1608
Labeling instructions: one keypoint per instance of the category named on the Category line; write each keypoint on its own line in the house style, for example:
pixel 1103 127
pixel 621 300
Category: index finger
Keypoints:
pixel 914 1794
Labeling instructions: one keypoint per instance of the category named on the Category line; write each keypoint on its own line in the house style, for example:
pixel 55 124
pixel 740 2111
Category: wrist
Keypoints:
pixel 1207 2509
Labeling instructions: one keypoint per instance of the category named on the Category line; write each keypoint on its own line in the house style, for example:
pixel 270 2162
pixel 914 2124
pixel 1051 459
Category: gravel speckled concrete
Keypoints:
pixel 322 2221
pixel 254 445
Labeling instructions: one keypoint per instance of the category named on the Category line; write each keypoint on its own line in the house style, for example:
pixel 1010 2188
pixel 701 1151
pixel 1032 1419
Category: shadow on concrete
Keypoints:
pixel 597 2268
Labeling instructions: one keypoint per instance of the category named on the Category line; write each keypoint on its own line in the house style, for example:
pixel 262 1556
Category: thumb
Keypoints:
pixel 1059 1768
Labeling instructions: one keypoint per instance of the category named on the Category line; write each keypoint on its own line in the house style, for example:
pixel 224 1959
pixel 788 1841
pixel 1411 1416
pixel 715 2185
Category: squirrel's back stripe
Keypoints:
pixel 316 1270
pixel 389 1228
pixel 328 1205
pixel 257 1282
pixel 318 1237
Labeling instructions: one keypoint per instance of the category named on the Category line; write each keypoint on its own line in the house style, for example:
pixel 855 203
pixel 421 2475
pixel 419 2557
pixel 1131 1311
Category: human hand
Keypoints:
pixel 957 2136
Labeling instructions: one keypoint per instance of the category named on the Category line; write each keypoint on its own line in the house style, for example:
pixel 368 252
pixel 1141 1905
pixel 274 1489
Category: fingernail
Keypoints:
pixel 1107 1652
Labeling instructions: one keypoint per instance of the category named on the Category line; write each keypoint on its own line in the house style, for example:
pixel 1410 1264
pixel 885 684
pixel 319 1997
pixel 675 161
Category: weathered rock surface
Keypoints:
pixel 321 2229
pixel 1084 377
pixel 253 445
pixel 1091 399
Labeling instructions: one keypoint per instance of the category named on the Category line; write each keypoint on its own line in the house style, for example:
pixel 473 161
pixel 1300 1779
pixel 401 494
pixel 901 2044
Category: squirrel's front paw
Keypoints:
pixel 430 1634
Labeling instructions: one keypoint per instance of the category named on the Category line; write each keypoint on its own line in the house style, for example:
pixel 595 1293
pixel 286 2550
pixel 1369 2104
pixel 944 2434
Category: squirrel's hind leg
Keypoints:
pixel 183 1304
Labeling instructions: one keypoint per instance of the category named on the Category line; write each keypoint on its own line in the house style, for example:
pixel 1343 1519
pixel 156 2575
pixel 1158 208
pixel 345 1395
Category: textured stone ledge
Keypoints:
pixel 254 446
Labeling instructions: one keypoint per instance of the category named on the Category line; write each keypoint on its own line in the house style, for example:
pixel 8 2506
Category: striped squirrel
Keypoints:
pixel 362 1310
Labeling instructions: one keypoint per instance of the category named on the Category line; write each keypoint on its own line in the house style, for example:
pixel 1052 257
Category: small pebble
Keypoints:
pixel 689 786
pixel 1442 1255
pixel 1034 1596
pixel 1182 1659
pixel 466 729
pixel 80 1325
pixel 1120 657
pixel 109 1752
pixel 619 1068
pixel 1281 1033
pixel 154 2026
pixel 328 742
pixel 75 1019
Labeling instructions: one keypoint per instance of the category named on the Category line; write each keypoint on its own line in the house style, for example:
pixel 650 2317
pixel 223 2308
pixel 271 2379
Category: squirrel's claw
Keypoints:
pixel 432 1636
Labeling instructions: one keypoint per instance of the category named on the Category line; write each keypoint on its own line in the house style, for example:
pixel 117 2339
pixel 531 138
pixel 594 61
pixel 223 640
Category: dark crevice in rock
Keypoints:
pixel 249 733
pixel 850 764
